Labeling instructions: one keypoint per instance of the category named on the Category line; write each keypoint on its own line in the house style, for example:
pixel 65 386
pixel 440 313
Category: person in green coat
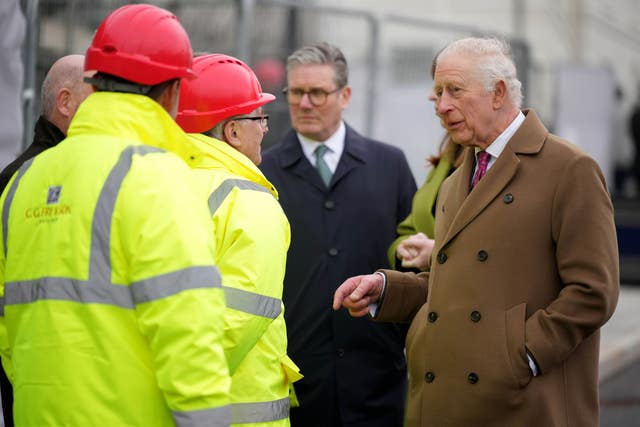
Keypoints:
pixel 412 248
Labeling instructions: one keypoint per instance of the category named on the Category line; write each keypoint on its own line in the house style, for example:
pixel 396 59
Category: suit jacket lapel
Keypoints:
pixel 353 155
pixel 528 139
pixel 293 159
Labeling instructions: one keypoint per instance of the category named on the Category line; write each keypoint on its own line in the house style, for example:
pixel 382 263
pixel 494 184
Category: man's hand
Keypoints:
pixel 415 251
pixel 356 293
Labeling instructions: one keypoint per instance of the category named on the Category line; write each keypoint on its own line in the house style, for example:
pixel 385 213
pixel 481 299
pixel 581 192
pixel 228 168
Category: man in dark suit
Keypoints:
pixel 332 183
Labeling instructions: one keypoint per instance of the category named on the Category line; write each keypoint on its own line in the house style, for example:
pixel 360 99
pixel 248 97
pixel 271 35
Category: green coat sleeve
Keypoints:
pixel 420 219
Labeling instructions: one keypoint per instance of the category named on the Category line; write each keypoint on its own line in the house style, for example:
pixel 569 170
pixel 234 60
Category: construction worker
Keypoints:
pixel 222 110
pixel 112 305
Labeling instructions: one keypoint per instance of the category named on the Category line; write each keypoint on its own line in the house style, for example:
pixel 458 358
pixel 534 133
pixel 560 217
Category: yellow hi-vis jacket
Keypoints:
pixel 113 307
pixel 252 237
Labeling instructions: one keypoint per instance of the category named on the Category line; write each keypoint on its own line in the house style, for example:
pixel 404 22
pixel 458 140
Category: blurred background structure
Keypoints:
pixel 579 61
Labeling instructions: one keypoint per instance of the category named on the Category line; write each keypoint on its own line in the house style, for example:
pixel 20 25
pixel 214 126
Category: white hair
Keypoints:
pixel 495 63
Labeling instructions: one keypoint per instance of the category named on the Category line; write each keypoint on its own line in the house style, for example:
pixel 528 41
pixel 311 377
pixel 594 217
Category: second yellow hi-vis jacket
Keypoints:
pixel 112 310
pixel 252 237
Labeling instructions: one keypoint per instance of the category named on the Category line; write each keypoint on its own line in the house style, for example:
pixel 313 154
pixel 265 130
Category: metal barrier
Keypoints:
pixel 389 56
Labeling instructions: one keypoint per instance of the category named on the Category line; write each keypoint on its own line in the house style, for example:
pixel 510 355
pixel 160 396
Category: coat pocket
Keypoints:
pixel 515 336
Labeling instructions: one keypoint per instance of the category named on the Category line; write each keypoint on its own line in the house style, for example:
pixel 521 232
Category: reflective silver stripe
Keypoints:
pixel 98 288
pixel 215 417
pixel 8 200
pixel 62 288
pixel 175 282
pixel 249 302
pixel 259 412
pixel 100 257
pixel 219 194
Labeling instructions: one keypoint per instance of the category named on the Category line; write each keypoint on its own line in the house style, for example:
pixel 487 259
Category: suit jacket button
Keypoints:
pixel 333 252
pixel 475 316
pixel 508 198
pixel 329 204
pixel 482 256
pixel 340 352
pixel 433 316
pixel 429 377
pixel 472 377
pixel 442 258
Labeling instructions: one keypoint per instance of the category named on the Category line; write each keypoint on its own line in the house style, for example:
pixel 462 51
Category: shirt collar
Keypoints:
pixel 335 142
pixel 497 146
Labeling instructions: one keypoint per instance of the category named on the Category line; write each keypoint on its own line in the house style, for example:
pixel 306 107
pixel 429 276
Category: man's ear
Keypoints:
pixel 64 101
pixel 231 134
pixel 499 94
pixel 345 97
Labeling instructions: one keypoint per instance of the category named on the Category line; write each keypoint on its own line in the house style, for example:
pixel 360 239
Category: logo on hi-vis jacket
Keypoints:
pixel 54 194
pixel 53 210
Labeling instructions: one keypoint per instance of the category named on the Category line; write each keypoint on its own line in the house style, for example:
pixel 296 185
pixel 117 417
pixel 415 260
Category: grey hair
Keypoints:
pixel 217 131
pixel 495 63
pixel 319 54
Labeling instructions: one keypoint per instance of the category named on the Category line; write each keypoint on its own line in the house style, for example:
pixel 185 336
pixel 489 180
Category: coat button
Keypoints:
pixel 328 204
pixel 475 316
pixel 433 316
pixel 333 252
pixel 482 256
pixel 340 352
pixel 472 377
pixel 508 198
pixel 429 377
pixel 442 258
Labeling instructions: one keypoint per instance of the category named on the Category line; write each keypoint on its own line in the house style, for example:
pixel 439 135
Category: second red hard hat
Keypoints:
pixel 224 87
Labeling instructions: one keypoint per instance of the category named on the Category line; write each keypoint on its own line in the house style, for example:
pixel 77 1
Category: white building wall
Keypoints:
pixel 580 33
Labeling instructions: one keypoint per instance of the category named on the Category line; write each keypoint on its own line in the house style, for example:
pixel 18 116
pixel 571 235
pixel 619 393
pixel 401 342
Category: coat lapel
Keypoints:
pixel 528 139
pixel 293 159
pixel 353 155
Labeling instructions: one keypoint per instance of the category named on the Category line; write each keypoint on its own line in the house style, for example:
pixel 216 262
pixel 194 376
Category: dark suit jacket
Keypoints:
pixel 355 371
pixel 46 135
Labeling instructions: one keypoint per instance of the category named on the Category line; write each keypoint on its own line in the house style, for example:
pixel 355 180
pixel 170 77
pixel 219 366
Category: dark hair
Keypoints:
pixel 108 83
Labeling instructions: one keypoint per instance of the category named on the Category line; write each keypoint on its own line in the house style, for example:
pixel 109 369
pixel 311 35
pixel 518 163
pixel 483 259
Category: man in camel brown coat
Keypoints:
pixel 505 326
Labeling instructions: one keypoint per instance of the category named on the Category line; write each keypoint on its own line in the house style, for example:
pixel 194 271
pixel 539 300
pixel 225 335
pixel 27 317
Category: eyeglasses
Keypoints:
pixel 264 119
pixel 317 96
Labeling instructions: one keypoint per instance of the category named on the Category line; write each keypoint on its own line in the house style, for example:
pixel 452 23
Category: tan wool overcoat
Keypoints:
pixel 528 260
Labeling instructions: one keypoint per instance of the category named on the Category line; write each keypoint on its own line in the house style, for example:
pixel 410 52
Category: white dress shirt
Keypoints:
pixel 335 145
pixel 497 146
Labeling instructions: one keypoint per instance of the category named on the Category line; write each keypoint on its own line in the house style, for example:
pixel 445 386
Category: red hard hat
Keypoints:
pixel 224 87
pixel 141 43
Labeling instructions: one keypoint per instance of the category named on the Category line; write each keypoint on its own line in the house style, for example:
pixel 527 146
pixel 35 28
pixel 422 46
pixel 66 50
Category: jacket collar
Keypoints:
pixel 355 154
pixel 137 118
pixel 46 133
pixel 528 139
pixel 218 155
pixel 354 146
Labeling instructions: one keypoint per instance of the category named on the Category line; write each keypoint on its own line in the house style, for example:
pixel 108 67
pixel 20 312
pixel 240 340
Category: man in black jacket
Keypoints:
pixel 63 89
pixel 62 92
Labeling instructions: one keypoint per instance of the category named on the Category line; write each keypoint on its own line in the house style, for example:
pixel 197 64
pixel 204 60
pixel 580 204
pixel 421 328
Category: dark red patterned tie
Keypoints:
pixel 483 161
